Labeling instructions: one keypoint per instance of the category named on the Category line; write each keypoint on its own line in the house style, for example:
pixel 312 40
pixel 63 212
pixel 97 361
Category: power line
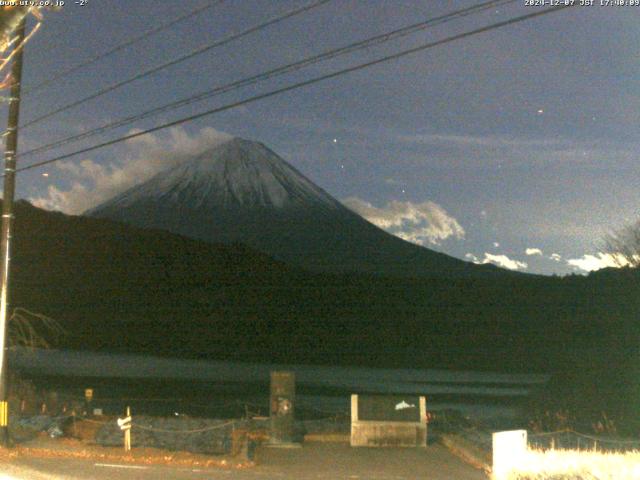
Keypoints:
pixel 122 46
pixel 300 85
pixel 170 63
pixel 350 48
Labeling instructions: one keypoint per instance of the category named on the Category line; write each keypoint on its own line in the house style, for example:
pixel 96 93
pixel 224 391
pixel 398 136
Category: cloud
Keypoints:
pixel 533 251
pixel 93 183
pixel 491 141
pixel 556 257
pixel 421 223
pixel 504 262
pixel 392 181
pixel 590 263
pixel 499 260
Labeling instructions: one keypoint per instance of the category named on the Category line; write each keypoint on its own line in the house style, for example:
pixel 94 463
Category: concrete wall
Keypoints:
pixel 379 433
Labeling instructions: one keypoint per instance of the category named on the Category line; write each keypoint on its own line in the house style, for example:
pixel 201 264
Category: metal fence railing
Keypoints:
pixel 572 440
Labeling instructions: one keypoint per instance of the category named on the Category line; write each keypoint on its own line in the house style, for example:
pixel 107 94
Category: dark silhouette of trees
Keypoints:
pixel 623 245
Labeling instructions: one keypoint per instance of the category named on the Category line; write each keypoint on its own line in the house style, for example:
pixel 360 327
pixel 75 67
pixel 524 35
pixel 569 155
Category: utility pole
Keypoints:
pixel 7 224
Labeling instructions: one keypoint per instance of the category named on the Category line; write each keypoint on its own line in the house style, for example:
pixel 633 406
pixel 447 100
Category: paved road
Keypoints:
pixel 312 462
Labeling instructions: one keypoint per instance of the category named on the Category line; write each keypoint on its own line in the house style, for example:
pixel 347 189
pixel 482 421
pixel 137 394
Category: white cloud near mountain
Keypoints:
pixel 590 263
pixel 533 251
pixel 93 183
pixel 420 223
pixel 504 262
pixel 499 260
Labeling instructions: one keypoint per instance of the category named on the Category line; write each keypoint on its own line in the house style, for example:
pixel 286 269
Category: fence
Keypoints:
pixel 572 440
pixel 211 432
pixel 201 407
pixel 185 434
pixel 563 454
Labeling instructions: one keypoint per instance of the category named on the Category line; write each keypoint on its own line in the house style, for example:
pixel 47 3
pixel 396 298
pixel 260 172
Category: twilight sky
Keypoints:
pixel 516 146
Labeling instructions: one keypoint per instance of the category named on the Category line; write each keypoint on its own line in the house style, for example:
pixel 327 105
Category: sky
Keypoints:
pixel 516 146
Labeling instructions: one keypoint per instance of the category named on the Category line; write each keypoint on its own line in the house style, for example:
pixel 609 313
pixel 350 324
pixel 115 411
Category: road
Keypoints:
pixel 317 461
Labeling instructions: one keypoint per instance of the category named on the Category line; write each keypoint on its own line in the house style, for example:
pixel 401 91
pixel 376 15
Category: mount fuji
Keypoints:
pixel 243 192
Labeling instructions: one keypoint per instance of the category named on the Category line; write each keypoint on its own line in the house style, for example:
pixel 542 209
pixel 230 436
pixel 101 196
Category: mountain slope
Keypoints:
pixel 243 192
pixel 121 288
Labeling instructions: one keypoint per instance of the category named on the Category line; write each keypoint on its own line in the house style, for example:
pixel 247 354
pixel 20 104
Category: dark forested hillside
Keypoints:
pixel 119 288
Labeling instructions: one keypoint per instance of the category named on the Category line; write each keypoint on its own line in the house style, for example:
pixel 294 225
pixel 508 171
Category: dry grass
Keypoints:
pixel 578 465
pixel 44 447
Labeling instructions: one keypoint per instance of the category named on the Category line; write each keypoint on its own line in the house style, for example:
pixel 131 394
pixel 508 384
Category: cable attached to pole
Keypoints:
pixel 298 85
pixel 176 61
pixel 66 73
pixel 276 72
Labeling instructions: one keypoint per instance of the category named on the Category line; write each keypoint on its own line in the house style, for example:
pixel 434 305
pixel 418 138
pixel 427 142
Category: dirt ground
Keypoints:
pixel 338 461
pixel 313 461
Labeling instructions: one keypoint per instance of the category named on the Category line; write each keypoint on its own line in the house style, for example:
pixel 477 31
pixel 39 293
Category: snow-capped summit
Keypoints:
pixel 241 191
pixel 236 174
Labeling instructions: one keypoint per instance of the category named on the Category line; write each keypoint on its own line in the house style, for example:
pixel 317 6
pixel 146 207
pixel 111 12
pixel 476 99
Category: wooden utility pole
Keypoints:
pixel 7 225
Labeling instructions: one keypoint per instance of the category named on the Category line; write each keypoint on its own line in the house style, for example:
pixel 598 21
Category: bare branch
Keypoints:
pixel 33 330
pixel 623 245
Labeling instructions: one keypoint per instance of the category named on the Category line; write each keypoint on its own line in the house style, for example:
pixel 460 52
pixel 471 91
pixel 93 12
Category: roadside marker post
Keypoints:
pixel 88 398
pixel 125 426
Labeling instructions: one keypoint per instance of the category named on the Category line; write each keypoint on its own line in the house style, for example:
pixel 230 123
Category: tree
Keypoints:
pixel 623 245
pixel 33 330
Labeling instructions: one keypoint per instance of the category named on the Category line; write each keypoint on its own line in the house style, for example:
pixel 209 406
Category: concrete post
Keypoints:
pixel 509 451
pixel 282 408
